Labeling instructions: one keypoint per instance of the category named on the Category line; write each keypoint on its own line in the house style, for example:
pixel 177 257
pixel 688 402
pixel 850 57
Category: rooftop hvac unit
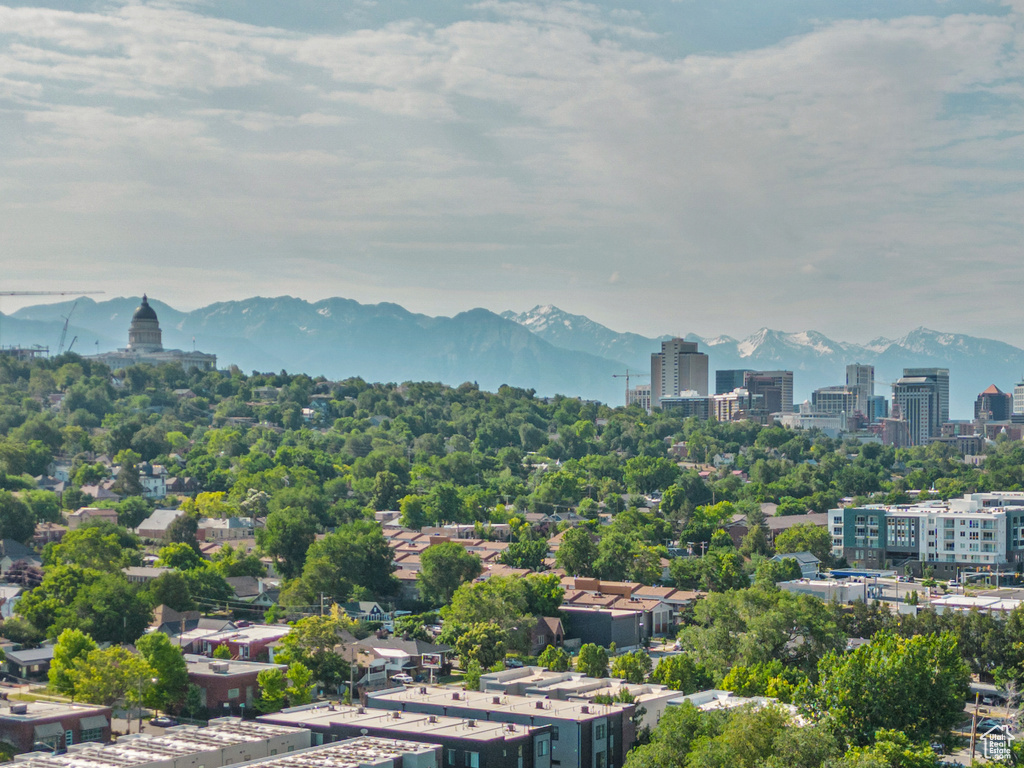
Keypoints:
pixel 19 709
pixel 471 723
pixel 396 715
pixel 219 667
pixel 585 709
pixel 361 711
pixel 539 705
pixel 496 700
pixel 432 719
pixel 455 696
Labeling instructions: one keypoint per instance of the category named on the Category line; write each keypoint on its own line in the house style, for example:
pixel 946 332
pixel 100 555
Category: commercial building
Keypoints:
pixel 677 368
pixel 941 378
pixel 583 735
pixel 245 641
pixel 728 380
pixel 979 531
pixel 920 399
pixel 878 408
pixel 993 405
pixel 842 591
pixel 226 687
pixel 687 404
pixel 464 740
pixel 574 686
pixel 639 395
pixel 1018 399
pixel 861 379
pixel 840 400
pixel 57 725
pixel 364 752
pixel 226 741
pixel 737 404
pixel 765 382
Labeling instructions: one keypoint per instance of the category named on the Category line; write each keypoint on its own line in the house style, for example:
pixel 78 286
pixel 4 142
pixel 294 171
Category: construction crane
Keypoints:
pixel 64 331
pixel 627 376
pixel 50 293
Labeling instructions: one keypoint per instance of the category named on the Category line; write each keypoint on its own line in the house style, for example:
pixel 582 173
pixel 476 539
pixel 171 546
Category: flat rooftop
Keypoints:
pixel 498 703
pixel 355 753
pixel 325 716
pixel 203 665
pixel 38 710
pixel 146 748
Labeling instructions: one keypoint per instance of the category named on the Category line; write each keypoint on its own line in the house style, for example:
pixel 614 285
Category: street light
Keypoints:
pixel 152 680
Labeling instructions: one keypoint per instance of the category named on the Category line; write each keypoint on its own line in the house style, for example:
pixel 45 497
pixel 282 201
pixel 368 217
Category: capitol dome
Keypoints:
pixel 144 333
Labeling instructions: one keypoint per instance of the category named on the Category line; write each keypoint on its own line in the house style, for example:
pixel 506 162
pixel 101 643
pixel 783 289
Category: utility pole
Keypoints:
pixel 974 726
pixel 321 603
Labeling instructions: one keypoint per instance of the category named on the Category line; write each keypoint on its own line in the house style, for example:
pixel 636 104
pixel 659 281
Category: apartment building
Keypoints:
pixel 977 532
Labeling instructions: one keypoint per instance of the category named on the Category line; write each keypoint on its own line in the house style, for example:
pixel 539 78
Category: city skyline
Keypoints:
pixel 504 155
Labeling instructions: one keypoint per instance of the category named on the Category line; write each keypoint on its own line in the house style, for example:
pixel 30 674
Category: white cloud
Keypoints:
pixel 551 131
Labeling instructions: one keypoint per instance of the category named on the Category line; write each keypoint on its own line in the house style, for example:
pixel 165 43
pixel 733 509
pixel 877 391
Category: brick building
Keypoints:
pixel 57 725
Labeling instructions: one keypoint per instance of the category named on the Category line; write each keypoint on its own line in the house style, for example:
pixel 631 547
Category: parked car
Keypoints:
pixel 953 583
pixel 163 721
pixel 989 723
pixel 402 678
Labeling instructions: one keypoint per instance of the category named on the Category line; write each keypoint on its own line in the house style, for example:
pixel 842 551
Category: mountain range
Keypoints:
pixel 545 348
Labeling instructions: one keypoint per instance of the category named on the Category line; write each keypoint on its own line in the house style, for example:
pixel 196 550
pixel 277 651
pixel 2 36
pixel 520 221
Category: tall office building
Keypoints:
pixel 767 388
pixel 993 405
pixel 783 380
pixel 677 368
pixel 878 408
pixel 1018 398
pixel 836 400
pixel 919 398
pixel 861 379
pixel 729 380
pixel 941 377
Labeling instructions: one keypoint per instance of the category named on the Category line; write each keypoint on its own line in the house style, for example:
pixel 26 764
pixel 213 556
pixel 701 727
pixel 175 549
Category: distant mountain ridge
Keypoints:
pixel 545 348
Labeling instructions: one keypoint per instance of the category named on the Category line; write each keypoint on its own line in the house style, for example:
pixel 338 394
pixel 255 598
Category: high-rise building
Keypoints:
pixel 919 398
pixel 687 404
pixel 878 408
pixel 993 405
pixel 729 380
pixel 941 377
pixel 861 379
pixel 836 400
pixel 1018 398
pixel 639 395
pixel 677 368
pixel 781 379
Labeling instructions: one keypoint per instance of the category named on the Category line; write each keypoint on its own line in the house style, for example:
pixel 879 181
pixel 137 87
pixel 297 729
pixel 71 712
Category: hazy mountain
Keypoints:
pixel 547 349
pixel 339 338
pixel 815 359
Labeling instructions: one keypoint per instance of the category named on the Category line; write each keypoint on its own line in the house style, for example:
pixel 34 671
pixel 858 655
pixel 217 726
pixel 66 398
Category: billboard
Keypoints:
pixel 431 660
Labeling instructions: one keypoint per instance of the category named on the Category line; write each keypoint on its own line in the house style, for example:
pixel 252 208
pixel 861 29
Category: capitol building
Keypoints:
pixel 145 345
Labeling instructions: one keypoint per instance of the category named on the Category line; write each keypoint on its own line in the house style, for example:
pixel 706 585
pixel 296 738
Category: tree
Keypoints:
pixel 644 474
pixel 301 689
pixel 101 547
pixel 577 553
pixel 229 562
pixel 71 646
pixel 222 652
pixel 127 482
pixel 193 700
pixel 916 685
pixel 444 568
pixel 16 518
pixel 413 514
pixel 679 673
pixel 471 678
pixel 592 660
pixel 169 665
pixel 179 556
pixel 632 667
pixel 312 642
pixel 183 529
pixel 483 642
pixel 891 749
pixel 805 538
pixel 112 675
pixel 554 659
pixel 528 554
pixel 288 535
pixel 272 686
pixel 353 555
pixel 772 572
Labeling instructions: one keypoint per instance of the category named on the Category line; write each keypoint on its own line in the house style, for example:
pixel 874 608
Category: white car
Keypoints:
pixel 402 678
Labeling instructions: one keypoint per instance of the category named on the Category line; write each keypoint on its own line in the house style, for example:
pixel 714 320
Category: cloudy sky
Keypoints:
pixel 662 166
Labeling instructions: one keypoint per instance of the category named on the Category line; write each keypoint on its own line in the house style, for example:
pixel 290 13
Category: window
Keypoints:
pixel 599 732
pixel 233 693
pixel 91 734
pixel 601 760
pixel 542 748
pixel 472 760
pixel 451 757
pixel 69 738
pixel 554 733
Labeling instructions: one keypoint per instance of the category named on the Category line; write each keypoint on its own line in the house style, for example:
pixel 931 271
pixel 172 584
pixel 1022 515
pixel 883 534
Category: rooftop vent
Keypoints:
pixel 455 696
pixel 432 719
pixel 361 711
pixel 19 709
pixel 423 690
pixel 471 723
pixel 496 700
pixel 219 667
pixel 539 705
pixel 585 709
pixel 396 715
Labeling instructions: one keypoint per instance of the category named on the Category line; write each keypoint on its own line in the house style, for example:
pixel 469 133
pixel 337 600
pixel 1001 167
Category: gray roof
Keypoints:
pixel 15 550
pixel 800 557
pixel 31 655
pixel 160 519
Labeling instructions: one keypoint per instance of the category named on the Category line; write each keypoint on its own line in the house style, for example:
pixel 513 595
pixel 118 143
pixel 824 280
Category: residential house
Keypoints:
pixel 142 574
pixel 256 591
pixel 84 515
pixel 10 594
pixel 30 663
pixel 248 642
pixel 547 631
pixel 808 563
pixel 155 526
pixel 12 552
pixel 366 611
pixel 225 529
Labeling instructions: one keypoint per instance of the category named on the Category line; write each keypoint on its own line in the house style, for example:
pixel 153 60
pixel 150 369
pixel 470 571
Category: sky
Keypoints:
pixel 662 166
